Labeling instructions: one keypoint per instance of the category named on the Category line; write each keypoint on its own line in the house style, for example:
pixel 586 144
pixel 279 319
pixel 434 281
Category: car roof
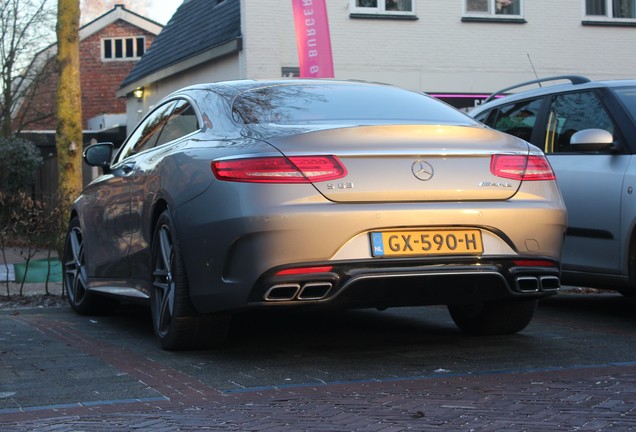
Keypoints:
pixel 235 87
pixel 577 82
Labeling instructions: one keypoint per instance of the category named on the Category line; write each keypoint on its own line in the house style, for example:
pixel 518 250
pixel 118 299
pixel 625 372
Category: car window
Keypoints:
pixel 301 104
pixel 518 118
pixel 147 133
pixel 570 113
pixel 627 95
pixel 182 121
pixel 487 117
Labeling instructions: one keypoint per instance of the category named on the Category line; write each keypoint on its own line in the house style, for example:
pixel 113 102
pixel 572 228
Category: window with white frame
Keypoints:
pixel 493 8
pixel 612 9
pixel 129 48
pixel 383 7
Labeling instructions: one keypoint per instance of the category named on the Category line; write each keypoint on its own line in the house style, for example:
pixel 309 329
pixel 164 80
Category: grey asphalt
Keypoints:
pixel 574 368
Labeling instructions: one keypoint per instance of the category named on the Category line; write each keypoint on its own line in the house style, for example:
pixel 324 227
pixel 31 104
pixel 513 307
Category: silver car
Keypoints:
pixel 316 194
pixel 588 131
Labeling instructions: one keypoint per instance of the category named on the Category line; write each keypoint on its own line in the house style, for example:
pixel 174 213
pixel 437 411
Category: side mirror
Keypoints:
pixel 592 139
pixel 99 154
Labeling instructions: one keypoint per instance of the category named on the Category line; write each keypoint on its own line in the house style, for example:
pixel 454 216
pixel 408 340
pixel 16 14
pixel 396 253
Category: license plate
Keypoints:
pixel 426 242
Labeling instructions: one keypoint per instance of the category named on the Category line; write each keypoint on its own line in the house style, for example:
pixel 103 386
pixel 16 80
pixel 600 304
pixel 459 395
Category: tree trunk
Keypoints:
pixel 68 135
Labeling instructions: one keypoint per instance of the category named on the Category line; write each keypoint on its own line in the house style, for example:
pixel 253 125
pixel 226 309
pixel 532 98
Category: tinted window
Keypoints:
pixel 570 113
pixel 298 104
pixel 182 121
pixel 487 117
pixel 147 133
pixel 627 95
pixel 518 119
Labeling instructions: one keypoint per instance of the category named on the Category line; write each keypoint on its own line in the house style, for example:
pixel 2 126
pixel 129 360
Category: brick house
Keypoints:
pixel 110 46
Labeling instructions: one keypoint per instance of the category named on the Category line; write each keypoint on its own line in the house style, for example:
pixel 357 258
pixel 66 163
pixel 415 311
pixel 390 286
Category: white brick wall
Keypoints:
pixel 439 52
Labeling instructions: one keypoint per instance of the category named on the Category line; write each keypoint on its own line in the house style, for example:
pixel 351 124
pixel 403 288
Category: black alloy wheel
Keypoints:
pixel 175 320
pixel 75 279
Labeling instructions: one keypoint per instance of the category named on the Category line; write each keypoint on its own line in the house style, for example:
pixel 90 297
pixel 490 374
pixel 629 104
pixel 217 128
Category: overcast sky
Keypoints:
pixel 162 10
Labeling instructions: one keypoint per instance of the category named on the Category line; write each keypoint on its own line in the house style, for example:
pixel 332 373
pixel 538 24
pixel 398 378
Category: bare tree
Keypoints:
pixel 26 28
pixel 68 137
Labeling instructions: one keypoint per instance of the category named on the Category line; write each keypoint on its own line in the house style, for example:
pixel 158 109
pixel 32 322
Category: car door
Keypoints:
pixel 109 202
pixel 146 182
pixel 591 182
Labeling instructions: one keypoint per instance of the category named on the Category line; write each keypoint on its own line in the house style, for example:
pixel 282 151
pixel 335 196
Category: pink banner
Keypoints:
pixel 312 38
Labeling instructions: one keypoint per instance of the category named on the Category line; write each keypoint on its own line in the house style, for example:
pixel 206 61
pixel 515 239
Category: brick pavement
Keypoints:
pixel 584 398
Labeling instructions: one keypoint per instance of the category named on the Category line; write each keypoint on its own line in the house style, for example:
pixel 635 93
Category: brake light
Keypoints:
pixel 521 167
pixel 304 270
pixel 279 169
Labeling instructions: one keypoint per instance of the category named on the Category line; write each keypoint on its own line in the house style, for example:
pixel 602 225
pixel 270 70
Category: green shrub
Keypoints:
pixel 19 160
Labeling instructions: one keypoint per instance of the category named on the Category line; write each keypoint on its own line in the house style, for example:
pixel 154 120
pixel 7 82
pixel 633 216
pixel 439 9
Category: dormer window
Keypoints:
pixel 130 48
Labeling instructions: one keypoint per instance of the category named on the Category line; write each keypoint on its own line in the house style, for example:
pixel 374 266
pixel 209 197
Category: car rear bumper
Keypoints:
pixel 399 283
pixel 232 256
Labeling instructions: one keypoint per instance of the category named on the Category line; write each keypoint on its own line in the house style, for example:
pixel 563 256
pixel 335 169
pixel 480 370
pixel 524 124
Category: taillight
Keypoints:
pixel 304 270
pixel 521 167
pixel 279 169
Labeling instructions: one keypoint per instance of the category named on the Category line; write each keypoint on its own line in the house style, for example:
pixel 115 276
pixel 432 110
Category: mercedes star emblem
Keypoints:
pixel 422 170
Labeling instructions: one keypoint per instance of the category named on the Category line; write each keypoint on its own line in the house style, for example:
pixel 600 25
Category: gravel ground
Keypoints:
pixel 30 295
pixel 33 295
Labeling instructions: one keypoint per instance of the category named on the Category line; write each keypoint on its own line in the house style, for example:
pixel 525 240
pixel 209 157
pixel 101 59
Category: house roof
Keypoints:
pixel 119 12
pixel 199 31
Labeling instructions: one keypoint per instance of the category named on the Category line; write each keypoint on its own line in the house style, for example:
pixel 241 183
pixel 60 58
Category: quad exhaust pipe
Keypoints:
pixel 529 284
pixel 298 292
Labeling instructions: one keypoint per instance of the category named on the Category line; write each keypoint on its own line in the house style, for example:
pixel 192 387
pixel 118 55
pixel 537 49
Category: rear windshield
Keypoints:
pixel 328 103
pixel 628 96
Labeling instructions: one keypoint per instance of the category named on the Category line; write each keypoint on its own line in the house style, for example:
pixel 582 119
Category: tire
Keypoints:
pixel 493 318
pixel 630 290
pixel 75 281
pixel 175 320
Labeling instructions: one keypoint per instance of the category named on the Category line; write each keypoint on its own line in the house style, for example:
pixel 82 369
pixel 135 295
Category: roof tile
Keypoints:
pixel 197 26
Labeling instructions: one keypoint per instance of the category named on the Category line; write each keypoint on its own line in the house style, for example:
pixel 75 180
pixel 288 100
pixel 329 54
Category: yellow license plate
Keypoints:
pixel 426 242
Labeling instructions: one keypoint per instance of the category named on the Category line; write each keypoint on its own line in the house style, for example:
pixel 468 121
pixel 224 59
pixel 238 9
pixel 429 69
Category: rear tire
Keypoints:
pixel 493 318
pixel 630 290
pixel 81 300
pixel 175 320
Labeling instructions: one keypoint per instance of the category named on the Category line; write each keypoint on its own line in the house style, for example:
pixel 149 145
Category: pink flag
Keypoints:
pixel 312 38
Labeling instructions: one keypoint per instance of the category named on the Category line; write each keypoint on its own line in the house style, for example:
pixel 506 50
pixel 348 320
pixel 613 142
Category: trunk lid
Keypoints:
pixel 391 163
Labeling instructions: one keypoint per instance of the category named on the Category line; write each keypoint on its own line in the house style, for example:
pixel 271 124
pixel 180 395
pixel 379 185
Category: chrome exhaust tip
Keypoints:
pixel 550 283
pixel 314 290
pixel 527 284
pixel 282 292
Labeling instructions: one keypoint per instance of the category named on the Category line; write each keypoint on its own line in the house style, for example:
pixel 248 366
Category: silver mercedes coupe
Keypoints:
pixel 317 194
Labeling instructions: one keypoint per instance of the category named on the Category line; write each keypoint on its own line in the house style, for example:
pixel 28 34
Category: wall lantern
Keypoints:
pixel 138 92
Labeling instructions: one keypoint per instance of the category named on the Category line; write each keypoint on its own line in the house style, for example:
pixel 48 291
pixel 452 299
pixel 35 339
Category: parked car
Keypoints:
pixel 313 194
pixel 588 131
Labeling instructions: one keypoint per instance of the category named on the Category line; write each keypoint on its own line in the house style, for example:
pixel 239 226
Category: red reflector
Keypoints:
pixel 519 167
pixel 279 169
pixel 304 270
pixel 534 263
